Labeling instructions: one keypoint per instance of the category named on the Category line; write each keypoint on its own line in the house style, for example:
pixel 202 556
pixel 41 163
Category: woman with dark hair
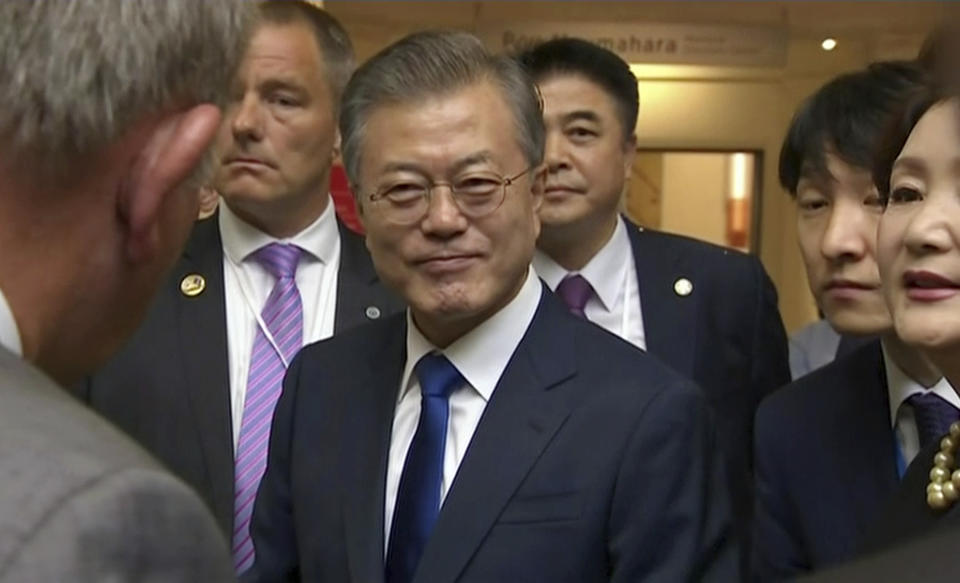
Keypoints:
pixel 918 251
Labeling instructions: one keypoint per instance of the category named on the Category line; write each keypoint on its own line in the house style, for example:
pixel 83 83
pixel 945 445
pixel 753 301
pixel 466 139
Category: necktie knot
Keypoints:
pixel 575 291
pixel 438 377
pixel 279 259
pixel 933 415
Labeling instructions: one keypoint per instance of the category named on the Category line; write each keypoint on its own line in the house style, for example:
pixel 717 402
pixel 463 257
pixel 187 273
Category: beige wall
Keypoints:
pixel 694 195
pixel 697 108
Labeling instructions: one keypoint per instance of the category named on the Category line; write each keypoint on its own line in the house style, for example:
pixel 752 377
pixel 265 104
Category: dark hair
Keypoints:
pixel 573 56
pixel 846 118
pixel 898 131
pixel 334 43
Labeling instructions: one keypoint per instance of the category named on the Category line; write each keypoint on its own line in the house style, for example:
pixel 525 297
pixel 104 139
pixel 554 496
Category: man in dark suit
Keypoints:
pixel 831 447
pixel 104 134
pixel 209 360
pixel 486 435
pixel 708 312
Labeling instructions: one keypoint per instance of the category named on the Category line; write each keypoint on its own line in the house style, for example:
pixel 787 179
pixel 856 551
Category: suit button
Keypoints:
pixel 372 312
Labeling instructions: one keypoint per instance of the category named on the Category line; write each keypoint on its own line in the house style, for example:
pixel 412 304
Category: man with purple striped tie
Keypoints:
pixel 271 271
pixel 274 347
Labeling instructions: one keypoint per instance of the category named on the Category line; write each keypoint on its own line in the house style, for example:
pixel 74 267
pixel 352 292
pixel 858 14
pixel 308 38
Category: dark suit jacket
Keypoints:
pixel 80 502
pixel 726 335
pixel 906 516
pixel 930 558
pixel 825 462
pixel 169 388
pixel 592 462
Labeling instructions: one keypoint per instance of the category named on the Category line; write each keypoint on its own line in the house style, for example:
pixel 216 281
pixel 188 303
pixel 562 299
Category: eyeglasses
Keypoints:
pixel 476 194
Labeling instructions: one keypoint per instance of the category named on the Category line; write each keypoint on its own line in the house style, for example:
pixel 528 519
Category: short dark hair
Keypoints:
pixel 846 118
pixel 336 49
pixel 574 56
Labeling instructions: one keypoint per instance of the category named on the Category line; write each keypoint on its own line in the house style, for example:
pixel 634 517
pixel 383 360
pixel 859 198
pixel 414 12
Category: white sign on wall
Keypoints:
pixel 688 44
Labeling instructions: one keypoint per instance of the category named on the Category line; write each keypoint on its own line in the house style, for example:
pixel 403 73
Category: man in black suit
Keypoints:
pixel 708 312
pixel 485 435
pixel 209 342
pixel 832 446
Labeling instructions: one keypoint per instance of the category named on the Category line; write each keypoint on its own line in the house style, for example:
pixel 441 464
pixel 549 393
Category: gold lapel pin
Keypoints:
pixel 193 285
pixel 683 287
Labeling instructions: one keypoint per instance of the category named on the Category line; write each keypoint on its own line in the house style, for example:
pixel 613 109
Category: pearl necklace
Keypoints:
pixel 944 487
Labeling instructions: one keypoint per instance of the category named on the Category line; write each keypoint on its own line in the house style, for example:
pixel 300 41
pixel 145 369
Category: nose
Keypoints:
pixel 850 231
pixel 928 230
pixel 555 153
pixel 444 219
pixel 246 120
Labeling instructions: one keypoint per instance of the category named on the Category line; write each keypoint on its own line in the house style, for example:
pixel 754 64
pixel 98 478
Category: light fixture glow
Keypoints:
pixel 741 170
pixel 828 44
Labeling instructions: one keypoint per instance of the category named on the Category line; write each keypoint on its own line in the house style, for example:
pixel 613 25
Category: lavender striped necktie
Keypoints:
pixel 283 316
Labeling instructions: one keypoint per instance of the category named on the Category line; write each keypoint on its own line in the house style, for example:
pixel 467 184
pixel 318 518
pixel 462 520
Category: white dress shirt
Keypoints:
pixel 9 332
pixel 481 357
pixel 247 285
pixel 611 272
pixel 901 387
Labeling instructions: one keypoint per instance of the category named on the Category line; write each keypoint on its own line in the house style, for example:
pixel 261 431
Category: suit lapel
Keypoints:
pixel 203 340
pixel 864 443
pixel 369 423
pixel 360 298
pixel 517 424
pixel 669 318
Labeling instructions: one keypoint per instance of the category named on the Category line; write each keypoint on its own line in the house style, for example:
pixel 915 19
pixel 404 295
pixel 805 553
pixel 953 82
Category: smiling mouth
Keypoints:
pixel 447 263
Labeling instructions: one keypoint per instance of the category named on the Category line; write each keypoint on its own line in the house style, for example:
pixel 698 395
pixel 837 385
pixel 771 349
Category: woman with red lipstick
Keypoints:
pixel 918 251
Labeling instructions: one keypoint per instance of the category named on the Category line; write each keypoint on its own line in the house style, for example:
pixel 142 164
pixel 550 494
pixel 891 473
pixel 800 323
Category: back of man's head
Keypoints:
pixel 109 107
pixel 846 118
pixel 76 75
pixel 573 56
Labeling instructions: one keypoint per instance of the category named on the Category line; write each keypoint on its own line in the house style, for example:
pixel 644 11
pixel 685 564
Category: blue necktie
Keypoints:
pixel 934 416
pixel 418 498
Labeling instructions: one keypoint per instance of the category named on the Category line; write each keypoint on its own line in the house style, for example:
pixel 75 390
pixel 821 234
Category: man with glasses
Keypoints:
pixel 486 434
pixel 272 271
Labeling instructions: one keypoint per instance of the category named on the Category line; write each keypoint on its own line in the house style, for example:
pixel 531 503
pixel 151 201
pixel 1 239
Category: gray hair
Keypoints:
pixel 336 49
pixel 75 75
pixel 437 63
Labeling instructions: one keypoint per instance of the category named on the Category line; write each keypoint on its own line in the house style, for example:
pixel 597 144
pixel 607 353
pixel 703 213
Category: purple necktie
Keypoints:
pixel 575 290
pixel 283 316
pixel 933 414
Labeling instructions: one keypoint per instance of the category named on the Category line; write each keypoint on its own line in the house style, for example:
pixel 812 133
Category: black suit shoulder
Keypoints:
pixel 821 396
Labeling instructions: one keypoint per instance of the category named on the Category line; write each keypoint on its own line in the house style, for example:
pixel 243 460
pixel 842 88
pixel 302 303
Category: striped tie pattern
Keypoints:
pixel 933 415
pixel 283 316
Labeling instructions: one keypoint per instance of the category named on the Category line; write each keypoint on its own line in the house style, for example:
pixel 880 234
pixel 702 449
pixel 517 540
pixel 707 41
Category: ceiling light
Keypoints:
pixel 828 44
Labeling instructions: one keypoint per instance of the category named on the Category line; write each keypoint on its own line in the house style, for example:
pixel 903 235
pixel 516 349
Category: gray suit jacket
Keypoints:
pixel 79 502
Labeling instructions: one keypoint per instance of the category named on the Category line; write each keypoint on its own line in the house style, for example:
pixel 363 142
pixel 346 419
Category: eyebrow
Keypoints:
pixel 581 115
pixel 281 85
pixel 908 164
pixel 461 164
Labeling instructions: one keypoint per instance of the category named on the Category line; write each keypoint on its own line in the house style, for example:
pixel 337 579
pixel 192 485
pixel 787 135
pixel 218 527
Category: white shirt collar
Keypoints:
pixel 240 239
pixel 901 387
pixel 605 271
pixel 482 354
pixel 9 332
